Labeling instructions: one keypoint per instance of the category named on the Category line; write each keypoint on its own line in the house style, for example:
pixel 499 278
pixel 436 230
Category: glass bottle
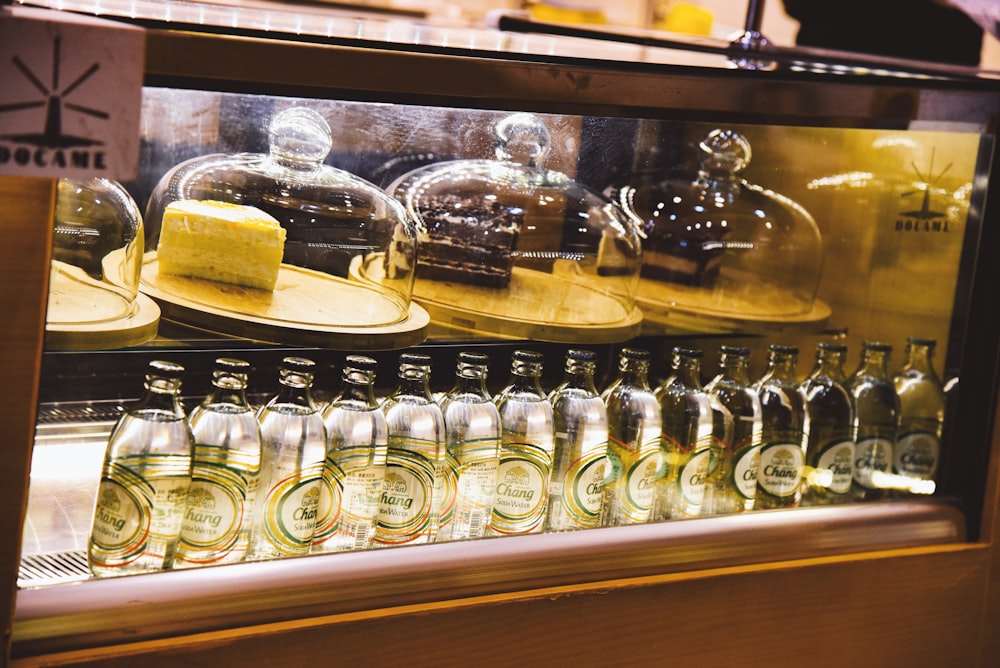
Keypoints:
pixel 921 413
pixel 686 443
pixel 293 440
pixel 410 503
pixel 634 425
pixel 786 423
pixel 526 447
pixel 579 463
pixel 357 438
pixel 830 443
pixel 226 469
pixel 144 481
pixel 738 431
pixel 876 421
pixel 472 438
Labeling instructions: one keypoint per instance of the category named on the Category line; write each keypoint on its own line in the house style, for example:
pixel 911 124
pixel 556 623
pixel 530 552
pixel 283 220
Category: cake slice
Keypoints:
pixel 468 240
pixel 220 241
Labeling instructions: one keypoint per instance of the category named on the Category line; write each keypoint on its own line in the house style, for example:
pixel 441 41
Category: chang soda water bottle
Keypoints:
pixel 579 464
pixel 293 440
pixel 687 440
pixel 357 438
pixel 412 491
pixel 527 444
pixel 144 481
pixel 227 446
pixel 786 423
pixel 634 425
pixel 472 439
pixel 876 422
pixel 829 463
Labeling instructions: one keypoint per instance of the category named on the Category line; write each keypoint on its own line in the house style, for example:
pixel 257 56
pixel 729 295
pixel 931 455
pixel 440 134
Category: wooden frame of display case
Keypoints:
pixel 918 587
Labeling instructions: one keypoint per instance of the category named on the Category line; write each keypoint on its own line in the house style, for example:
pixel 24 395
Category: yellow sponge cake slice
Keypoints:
pixel 220 241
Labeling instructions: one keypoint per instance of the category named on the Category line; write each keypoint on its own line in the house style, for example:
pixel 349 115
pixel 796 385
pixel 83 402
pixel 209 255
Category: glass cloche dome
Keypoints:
pixel 717 247
pixel 94 299
pixel 511 248
pixel 328 218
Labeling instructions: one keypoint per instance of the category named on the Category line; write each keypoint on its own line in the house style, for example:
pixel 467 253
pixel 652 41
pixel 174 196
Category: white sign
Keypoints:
pixel 70 95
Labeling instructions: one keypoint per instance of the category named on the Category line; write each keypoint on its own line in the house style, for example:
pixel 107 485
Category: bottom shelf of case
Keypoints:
pixel 99 612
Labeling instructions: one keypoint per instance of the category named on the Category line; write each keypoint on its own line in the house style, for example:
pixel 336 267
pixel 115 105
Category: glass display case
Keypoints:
pixel 874 221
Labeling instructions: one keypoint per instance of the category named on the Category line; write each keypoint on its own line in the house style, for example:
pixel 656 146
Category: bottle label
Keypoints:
pixel 781 469
pixel 291 509
pixel 583 488
pixel 359 505
pixel 148 507
pixel 474 503
pixel 691 479
pixel 917 455
pixel 838 459
pixel 446 491
pixel 121 518
pixel 640 483
pixel 871 457
pixel 522 480
pixel 745 469
pixel 407 497
pixel 350 498
pixel 213 517
pixel 331 489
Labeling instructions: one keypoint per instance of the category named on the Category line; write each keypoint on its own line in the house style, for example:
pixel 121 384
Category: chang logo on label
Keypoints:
pixel 640 486
pixel 404 511
pixel 917 455
pixel 871 455
pixel 291 509
pixel 522 481
pixel 121 523
pixel 584 488
pixel 745 470
pixel 781 469
pixel 212 517
pixel 839 460
pixel 691 478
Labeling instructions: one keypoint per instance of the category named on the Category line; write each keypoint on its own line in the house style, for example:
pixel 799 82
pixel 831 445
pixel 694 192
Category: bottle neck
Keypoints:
pixel 874 363
pixel 295 395
pixel 161 394
pixel 734 369
pixel 159 398
pixel 634 373
pixel 235 396
pixel 830 366
pixel 472 382
pixel 920 359
pixel 781 367
pixel 413 382
pixel 580 376
pixel 526 376
pixel 687 371
pixel 357 389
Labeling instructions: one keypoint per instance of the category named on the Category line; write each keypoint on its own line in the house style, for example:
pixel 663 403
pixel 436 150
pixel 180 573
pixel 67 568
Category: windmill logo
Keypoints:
pixel 56 98
pixel 920 218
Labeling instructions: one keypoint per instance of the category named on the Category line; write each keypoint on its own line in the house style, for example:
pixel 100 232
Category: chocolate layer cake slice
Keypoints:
pixel 468 240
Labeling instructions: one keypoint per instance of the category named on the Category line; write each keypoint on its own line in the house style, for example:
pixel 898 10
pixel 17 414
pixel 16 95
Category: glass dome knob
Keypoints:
pixel 522 138
pixel 299 137
pixel 724 150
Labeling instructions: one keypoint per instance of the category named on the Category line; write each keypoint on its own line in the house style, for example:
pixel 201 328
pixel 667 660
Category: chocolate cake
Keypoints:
pixel 689 258
pixel 468 240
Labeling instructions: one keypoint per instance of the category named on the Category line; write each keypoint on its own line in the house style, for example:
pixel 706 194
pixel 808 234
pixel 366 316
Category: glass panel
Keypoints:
pixel 865 231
